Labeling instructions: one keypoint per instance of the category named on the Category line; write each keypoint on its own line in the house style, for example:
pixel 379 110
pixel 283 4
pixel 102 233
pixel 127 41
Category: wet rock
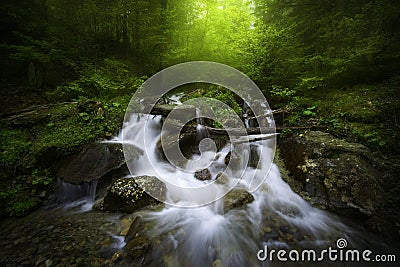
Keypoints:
pixel 203 175
pixel 93 162
pixel 165 109
pixel 138 245
pixel 129 195
pixel 254 159
pixel 186 143
pixel 228 158
pixel 170 261
pixel 232 159
pixel 217 263
pixel 335 174
pixel 221 178
pixel 40 260
pixel 99 204
pixel 267 229
pixel 346 178
pixel 116 257
pixel 237 198
pixel 272 234
pixel 126 224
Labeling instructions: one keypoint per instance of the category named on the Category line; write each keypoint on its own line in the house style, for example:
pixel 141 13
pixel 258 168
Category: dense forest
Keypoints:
pixel 300 45
pixel 333 63
pixel 69 69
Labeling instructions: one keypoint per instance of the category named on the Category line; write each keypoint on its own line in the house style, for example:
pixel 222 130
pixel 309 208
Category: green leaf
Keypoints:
pixel 308 113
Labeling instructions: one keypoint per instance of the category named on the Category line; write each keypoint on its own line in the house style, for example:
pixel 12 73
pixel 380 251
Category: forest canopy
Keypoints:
pixel 303 44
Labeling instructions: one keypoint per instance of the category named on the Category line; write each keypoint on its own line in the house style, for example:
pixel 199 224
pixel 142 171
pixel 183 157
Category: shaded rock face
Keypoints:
pixel 187 145
pixel 126 195
pixel 254 159
pixel 233 159
pixel 336 175
pixel 345 178
pixel 93 162
pixel 237 198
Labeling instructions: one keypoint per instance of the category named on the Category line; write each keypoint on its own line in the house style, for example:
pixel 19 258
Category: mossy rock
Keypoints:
pixel 130 194
pixel 343 177
pixel 91 163
pixel 237 198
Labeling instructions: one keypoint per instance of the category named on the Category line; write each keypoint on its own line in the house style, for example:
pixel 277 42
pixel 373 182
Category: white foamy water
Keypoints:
pixel 205 235
pixel 71 196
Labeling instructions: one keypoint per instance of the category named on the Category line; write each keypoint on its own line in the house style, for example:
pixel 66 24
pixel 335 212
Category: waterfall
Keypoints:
pixel 245 115
pixel 201 236
pixel 201 131
pixel 70 195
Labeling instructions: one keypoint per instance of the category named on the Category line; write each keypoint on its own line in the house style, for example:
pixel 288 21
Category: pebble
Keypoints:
pixel 218 263
pixel 267 229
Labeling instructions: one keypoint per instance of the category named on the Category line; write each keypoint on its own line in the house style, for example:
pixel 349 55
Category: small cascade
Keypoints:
pixel 246 115
pixel 201 131
pixel 175 99
pixel 70 195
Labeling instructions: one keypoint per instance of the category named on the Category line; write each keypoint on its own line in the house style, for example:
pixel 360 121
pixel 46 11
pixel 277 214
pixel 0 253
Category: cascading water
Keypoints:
pixel 70 195
pixel 246 115
pixel 201 131
pixel 205 236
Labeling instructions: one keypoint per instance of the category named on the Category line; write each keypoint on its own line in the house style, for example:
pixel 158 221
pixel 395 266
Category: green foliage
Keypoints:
pixel 14 144
pixel 218 31
pixel 225 96
pixel 311 83
pixel 294 119
pixel 41 178
pixel 20 207
pixel 215 92
pixel 283 92
pixel 15 201
pixel 309 111
pixel 369 134
pixel 314 45
pixel 73 125
pixel 110 79
pixel 66 128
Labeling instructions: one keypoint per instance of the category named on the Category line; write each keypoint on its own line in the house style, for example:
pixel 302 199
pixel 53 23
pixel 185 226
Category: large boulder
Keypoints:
pixel 92 163
pixel 337 175
pixel 130 194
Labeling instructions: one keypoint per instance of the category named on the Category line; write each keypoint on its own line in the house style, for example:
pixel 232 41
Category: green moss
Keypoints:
pixel 363 113
pixel 21 207
pixel 217 93
pixel 24 184
pixel 16 200
pixel 110 78
pixel 14 144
